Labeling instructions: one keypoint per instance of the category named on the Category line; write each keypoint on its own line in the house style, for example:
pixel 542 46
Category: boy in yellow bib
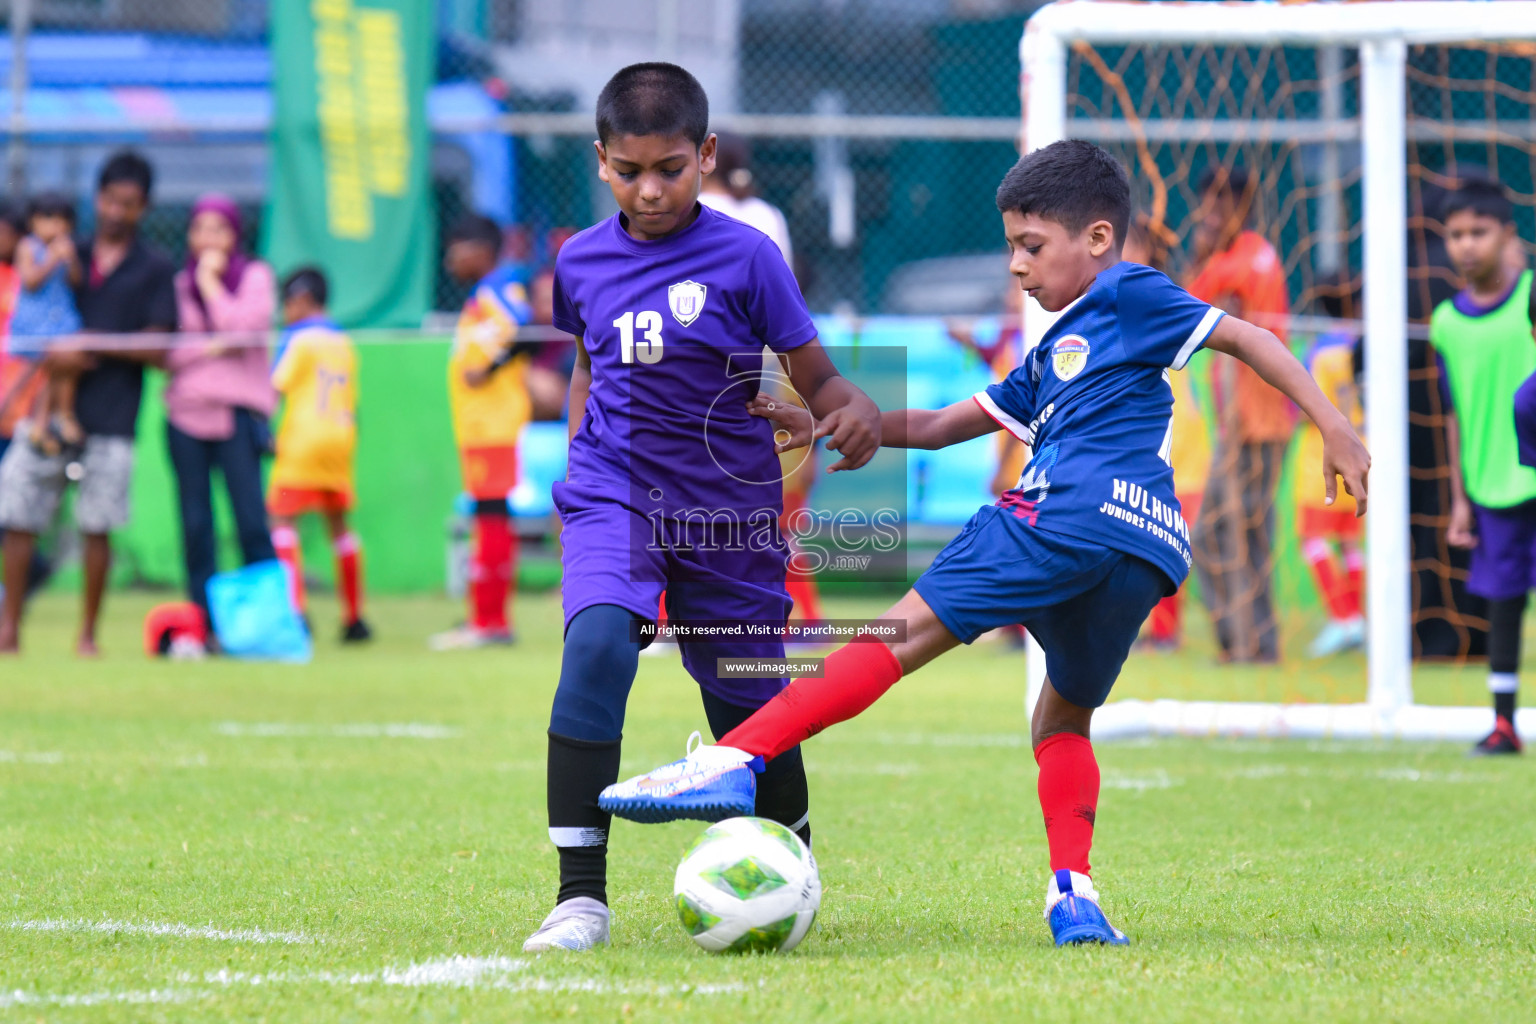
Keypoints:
pixel 316 373
pixel 488 396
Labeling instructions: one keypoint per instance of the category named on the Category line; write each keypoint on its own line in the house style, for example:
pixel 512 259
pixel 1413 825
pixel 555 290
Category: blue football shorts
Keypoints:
pixel 1083 602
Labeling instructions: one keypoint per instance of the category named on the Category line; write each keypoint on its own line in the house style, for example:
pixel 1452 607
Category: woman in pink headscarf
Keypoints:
pixel 220 391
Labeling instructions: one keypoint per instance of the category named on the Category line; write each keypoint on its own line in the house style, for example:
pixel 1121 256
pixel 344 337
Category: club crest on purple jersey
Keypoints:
pixel 687 301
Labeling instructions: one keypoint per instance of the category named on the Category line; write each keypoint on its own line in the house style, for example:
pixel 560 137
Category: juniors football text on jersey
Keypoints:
pixel 1487 354
pixel 494 413
pixel 1331 361
pixel 1093 401
pixel 315 371
pixel 675 331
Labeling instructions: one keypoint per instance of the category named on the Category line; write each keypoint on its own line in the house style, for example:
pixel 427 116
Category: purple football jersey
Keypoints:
pixel 675 330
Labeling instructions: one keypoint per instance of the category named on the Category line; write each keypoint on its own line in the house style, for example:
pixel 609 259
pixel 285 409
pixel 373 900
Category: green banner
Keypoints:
pixel 351 152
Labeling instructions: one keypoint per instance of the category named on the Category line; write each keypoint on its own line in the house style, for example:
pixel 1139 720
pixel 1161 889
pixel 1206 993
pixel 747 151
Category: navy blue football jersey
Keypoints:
pixel 1093 402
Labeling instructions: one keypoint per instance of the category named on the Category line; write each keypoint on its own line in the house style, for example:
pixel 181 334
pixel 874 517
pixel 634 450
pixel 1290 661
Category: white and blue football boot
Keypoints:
pixel 1072 910
pixel 711 783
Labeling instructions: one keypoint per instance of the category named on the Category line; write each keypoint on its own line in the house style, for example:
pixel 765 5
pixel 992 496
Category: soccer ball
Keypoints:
pixel 747 885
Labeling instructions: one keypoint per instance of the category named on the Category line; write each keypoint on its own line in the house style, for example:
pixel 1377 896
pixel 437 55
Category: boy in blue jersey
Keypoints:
pixel 1079 551
pixel 672 484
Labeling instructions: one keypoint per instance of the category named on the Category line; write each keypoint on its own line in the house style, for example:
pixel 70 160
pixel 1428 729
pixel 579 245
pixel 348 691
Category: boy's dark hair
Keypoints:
pixel 1482 197
pixel 654 98
pixel 1340 296
pixel 308 281
pixel 1231 181
pixel 126 165
pixel 14 215
pixel 51 204
pixel 1071 182
pixel 474 227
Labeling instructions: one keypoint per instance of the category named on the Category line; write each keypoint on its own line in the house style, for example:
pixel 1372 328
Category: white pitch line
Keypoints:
pixel 364 730
pixel 497 972
pixel 1157 779
pixel 154 995
pixel 31 757
pixel 175 931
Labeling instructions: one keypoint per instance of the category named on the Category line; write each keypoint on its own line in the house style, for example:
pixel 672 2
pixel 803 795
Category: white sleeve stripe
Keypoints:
pixel 1004 420
pixel 1202 331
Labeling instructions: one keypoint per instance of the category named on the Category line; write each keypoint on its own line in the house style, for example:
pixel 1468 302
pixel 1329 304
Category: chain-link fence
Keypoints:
pixel 879 127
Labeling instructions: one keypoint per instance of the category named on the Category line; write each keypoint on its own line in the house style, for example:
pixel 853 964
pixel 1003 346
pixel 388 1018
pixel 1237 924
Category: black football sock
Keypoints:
pixel 1505 618
pixel 578 771
pixel 1504 705
pixel 783 794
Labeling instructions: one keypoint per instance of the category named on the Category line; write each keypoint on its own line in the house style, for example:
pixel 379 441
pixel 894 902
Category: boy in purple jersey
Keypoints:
pixel 672 484
pixel 1084 546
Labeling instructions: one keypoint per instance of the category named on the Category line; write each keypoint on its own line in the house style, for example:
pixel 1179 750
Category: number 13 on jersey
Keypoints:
pixel 648 349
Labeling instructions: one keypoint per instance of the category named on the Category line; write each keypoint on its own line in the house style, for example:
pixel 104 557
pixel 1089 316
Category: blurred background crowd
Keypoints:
pixel 172 166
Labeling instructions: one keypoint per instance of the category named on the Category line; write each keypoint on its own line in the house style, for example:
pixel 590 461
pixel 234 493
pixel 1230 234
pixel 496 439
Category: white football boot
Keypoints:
pixel 577 925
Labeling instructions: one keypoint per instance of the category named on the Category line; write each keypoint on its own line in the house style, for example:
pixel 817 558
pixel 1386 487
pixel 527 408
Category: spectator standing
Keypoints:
pixel 1189 443
pixel 1482 337
pixel 732 190
pixel 18 381
pixel 16 376
pixel 220 397
pixel 1340 578
pixel 127 290
pixel 1234 537
pixel 316 371
pixel 488 398
pixel 48 271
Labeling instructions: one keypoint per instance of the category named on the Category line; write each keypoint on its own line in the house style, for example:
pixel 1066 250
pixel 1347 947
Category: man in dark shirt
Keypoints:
pixel 127 290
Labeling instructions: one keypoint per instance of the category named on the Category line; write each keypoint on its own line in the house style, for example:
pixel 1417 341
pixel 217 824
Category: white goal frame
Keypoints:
pixel 1382 32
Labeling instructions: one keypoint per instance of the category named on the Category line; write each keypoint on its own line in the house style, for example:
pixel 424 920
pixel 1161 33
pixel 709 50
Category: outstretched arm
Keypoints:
pixel 1343 453
pixel 899 428
pixel 935 428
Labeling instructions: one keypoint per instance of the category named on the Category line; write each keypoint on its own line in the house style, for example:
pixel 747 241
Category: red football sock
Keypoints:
pixel 490 576
pixel 1069 798
pixel 1163 623
pixel 1354 580
pixel 285 541
pixel 856 675
pixel 1320 557
pixel 802 591
pixel 349 575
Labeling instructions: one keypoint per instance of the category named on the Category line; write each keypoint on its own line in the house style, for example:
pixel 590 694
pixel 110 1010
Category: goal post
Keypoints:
pixel 1381 35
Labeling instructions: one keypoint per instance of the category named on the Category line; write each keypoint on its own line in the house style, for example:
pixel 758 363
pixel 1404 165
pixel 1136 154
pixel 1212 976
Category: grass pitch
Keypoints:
pixel 363 839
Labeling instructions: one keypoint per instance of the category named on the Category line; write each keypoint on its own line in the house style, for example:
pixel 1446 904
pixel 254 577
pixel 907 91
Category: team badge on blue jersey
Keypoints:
pixel 687 301
pixel 1069 356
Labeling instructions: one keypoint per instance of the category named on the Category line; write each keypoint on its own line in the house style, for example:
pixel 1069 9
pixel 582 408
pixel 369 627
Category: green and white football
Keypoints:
pixel 747 885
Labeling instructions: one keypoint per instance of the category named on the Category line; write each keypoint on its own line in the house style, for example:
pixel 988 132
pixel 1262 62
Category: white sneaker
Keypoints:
pixel 578 924
pixel 1338 636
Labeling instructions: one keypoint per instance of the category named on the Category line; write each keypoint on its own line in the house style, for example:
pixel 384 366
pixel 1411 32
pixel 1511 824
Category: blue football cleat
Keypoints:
pixel 1074 913
pixel 711 783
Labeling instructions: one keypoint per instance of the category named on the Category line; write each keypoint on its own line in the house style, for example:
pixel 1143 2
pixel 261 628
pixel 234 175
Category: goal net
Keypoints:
pixel 1261 141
